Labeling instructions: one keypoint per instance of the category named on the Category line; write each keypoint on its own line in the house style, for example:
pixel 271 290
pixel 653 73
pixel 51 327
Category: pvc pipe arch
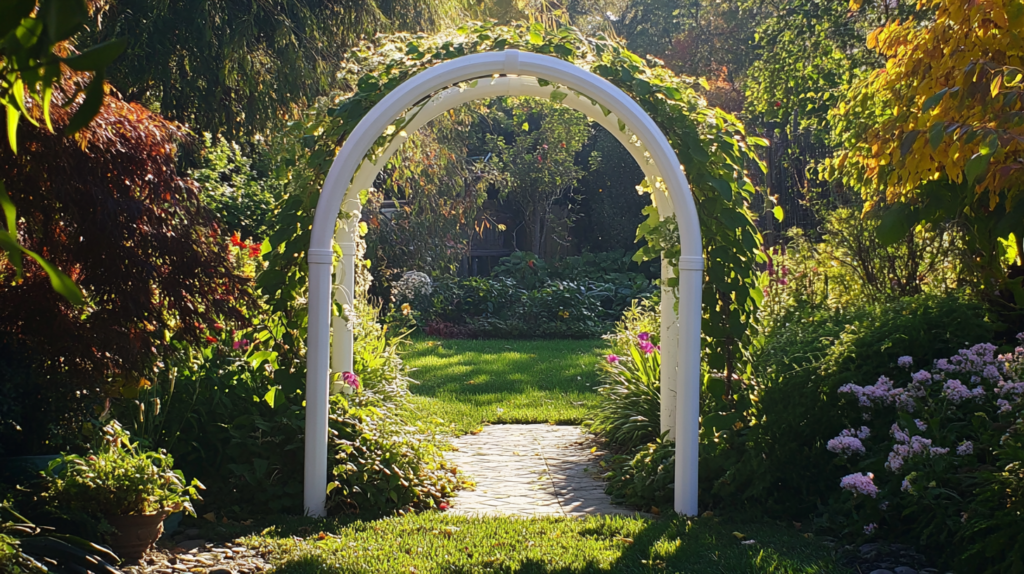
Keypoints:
pixel 352 172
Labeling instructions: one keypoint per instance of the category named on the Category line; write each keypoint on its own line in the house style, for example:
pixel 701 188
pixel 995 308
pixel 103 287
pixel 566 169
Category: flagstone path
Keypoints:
pixel 531 470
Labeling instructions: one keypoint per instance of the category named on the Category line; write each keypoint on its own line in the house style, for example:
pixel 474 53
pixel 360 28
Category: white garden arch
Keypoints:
pixel 422 98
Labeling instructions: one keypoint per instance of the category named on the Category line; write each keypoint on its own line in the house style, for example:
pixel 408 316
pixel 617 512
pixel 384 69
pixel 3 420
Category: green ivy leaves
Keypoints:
pixel 712 146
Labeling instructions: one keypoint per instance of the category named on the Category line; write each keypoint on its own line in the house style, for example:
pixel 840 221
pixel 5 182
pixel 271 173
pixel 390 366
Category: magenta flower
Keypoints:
pixel 613 359
pixel 646 347
pixel 351 379
pixel 644 337
pixel 243 344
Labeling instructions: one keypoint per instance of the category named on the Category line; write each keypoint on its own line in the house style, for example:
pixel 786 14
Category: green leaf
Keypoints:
pixel 97 57
pixel 90 106
pixel 777 212
pixel 704 84
pixel 558 96
pixel 10 211
pixel 12 127
pixel 894 225
pixel 934 100
pixel 976 166
pixel 271 396
pixel 936 133
pixel 536 33
pixel 63 17
pixel 526 126
pixel 723 187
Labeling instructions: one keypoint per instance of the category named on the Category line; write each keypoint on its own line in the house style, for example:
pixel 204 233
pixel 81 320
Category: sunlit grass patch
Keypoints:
pixel 465 383
pixel 438 543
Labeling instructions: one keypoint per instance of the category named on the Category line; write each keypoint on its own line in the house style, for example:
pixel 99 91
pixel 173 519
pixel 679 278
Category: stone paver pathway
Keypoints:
pixel 531 470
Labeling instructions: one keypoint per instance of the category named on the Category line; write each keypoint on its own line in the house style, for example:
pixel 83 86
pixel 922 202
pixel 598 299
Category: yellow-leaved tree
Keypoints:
pixel 938 134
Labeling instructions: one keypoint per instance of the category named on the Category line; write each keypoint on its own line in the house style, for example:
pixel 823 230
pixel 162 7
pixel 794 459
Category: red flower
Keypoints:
pixel 254 250
pixel 530 263
pixel 210 339
pixel 218 326
pixel 236 240
pixel 443 506
pixel 778 104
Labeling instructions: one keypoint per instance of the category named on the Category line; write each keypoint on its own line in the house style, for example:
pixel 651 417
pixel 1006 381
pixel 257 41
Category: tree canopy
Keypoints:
pixel 237 67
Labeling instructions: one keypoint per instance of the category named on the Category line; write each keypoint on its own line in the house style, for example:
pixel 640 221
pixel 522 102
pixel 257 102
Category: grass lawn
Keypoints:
pixel 464 383
pixel 436 543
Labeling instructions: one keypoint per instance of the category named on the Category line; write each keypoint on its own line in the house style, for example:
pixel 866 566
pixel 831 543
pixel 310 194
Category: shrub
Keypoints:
pixel 379 463
pixel 938 457
pixel 499 308
pixel 643 478
pixel 242 200
pixel 797 374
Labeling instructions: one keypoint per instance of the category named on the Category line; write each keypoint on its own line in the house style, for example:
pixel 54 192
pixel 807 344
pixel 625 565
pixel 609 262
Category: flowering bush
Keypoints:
pixel 411 286
pixel 629 414
pixel 783 464
pixel 943 454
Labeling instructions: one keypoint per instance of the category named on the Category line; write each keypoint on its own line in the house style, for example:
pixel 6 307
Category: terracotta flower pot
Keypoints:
pixel 135 534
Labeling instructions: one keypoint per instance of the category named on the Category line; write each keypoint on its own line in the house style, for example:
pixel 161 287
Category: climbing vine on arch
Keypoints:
pixel 712 146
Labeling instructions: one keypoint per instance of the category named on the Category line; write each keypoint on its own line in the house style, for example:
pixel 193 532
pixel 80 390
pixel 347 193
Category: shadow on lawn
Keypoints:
pixel 707 547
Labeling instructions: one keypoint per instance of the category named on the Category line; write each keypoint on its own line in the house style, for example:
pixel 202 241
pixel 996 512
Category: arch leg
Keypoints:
pixel 317 366
pixel 688 392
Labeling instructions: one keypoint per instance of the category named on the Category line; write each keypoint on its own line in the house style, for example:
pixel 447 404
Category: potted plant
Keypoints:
pixel 131 489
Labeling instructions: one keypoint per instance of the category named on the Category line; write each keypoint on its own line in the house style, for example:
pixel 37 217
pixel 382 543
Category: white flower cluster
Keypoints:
pixel 411 285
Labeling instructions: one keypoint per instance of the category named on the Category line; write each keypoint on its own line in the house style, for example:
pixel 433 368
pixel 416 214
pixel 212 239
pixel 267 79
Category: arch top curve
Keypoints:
pixel 511 63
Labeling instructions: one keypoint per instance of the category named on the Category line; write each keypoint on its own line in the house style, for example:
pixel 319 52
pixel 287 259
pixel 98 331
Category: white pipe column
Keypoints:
pixel 669 352
pixel 691 278
pixel 317 367
pixel 343 341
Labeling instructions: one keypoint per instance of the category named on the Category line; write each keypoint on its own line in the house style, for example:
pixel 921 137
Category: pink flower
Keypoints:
pixel 921 377
pixel 860 483
pixel 646 347
pixel 243 344
pixel 351 379
pixel 846 445
pixel 613 359
pixel 645 336
pixel 905 361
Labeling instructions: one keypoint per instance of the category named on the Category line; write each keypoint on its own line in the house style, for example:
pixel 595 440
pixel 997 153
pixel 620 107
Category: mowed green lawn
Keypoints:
pixel 465 383
pixel 436 543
